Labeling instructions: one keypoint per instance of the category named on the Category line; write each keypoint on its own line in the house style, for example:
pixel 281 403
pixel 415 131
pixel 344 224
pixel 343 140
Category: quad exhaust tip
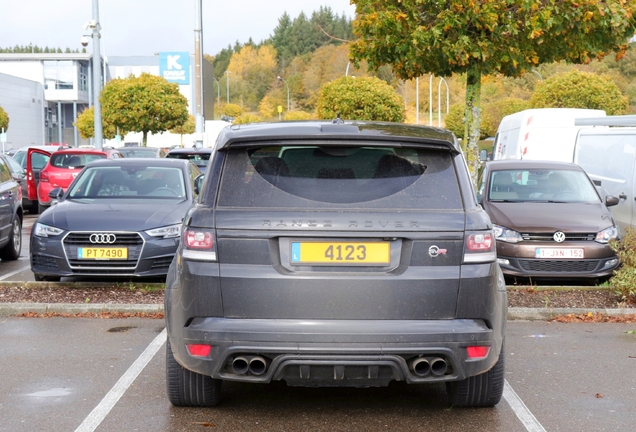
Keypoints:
pixel 255 365
pixel 240 365
pixel 422 366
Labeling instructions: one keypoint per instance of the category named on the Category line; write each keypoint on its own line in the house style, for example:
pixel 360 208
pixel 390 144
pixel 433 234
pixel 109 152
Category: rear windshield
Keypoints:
pixel 73 160
pixel 139 152
pixel 199 159
pixel 336 177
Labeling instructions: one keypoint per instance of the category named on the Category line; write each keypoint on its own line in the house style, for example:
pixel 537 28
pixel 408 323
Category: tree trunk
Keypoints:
pixel 472 125
pixel 145 139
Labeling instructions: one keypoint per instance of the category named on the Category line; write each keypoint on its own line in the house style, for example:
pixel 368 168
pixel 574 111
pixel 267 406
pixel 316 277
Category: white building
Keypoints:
pixel 23 101
pixel 67 90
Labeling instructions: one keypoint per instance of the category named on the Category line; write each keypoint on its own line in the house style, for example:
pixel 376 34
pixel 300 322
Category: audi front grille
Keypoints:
pixel 130 240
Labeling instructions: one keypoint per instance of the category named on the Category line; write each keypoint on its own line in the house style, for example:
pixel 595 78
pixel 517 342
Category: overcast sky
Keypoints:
pixel 145 27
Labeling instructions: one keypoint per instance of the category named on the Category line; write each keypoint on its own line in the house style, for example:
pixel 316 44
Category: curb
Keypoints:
pixel 543 314
pixel 514 314
pixel 8 309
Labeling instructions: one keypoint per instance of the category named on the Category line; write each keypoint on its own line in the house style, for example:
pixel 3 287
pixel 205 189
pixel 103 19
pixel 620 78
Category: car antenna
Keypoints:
pixel 338 120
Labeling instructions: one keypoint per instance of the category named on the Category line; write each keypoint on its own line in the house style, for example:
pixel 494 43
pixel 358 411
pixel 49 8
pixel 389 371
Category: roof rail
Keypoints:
pixel 620 120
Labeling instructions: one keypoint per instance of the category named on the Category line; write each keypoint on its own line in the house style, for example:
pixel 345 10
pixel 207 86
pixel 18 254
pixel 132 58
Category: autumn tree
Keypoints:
pixel 4 119
pixel 185 129
pixel 364 98
pixel 147 103
pixel 253 70
pixel 580 90
pixel 85 124
pixel 487 37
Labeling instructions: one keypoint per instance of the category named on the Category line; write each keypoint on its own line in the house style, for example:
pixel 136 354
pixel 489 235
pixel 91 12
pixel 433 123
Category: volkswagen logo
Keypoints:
pixel 102 238
pixel 559 237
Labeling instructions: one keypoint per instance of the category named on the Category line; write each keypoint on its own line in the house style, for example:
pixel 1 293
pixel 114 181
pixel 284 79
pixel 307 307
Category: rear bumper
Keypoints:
pixel 357 353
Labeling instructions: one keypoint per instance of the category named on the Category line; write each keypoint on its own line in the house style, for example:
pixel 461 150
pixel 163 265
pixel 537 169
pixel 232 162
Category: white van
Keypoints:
pixel 607 153
pixel 540 134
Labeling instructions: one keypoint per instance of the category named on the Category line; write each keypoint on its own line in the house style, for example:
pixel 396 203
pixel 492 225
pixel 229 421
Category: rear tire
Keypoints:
pixel 11 251
pixel 41 208
pixel 189 389
pixel 34 208
pixel 483 390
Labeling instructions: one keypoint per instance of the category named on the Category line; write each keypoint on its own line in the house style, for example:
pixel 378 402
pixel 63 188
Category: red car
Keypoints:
pixel 62 168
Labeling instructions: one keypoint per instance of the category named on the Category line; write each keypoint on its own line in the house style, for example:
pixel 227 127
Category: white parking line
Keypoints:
pixel 521 410
pixel 20 270
pixel 100 412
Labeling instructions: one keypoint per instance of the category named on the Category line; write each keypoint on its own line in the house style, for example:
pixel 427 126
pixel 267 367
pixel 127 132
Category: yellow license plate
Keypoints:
pixel 102 253
pixel 341 253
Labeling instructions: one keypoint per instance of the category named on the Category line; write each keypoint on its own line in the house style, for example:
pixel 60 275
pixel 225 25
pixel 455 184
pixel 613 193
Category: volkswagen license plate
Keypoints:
pixel 555 253
pixel 102 253
pixel 341 253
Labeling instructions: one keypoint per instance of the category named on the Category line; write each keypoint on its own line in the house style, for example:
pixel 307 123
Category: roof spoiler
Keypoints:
pixel 621 120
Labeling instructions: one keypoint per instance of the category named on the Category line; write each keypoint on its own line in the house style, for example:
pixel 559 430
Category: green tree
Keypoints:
pixel 363 98
pixel 486 37
pixel 580 90
pixel 232 110
pixel 147 103
pixel 185 129
pixel 496 110
pixel 85 124
pixel 4 119
pixel 455 119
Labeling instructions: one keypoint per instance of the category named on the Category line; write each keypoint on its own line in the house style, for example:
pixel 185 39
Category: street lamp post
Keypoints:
pixel 281 78
pixel 97 75
pixel 218 91
pixel 227 83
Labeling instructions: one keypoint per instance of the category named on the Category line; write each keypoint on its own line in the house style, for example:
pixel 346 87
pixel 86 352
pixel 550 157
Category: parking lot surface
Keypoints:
pixel 63 373
pixel 109 375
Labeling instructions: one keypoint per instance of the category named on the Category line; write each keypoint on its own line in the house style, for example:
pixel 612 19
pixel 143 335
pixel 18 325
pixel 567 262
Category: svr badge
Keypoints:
pixel 434 251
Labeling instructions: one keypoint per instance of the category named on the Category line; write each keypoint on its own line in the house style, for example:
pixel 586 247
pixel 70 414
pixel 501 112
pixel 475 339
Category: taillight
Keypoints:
pixel 480 247
pixel 478 351
pixel 199 244
pixel 44 176
pixel 199 239
pixel 199 350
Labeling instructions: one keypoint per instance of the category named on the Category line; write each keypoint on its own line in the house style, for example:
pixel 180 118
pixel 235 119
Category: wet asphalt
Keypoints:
pixel 57 372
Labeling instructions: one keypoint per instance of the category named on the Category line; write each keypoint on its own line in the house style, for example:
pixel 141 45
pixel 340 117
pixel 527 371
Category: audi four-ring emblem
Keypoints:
pixel 102 238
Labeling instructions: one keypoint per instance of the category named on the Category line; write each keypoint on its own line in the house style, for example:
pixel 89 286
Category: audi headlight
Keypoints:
pixel 606 235
pixel 506 234
pixel 166 232
pixel 42 230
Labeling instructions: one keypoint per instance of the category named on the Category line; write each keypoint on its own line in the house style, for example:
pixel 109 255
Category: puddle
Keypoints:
pixel 120 329
pixel 56 392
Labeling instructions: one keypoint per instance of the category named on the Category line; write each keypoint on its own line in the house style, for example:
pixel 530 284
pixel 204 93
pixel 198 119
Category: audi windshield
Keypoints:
pixel 139 182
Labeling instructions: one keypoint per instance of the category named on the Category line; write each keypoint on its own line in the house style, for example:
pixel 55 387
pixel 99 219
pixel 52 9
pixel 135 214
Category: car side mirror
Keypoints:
pixel 56 195
pixel 198 183
pixel 483 155
pixel 611 201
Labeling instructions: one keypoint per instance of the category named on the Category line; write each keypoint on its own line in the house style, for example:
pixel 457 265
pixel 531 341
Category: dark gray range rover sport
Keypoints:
pixel 336 254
